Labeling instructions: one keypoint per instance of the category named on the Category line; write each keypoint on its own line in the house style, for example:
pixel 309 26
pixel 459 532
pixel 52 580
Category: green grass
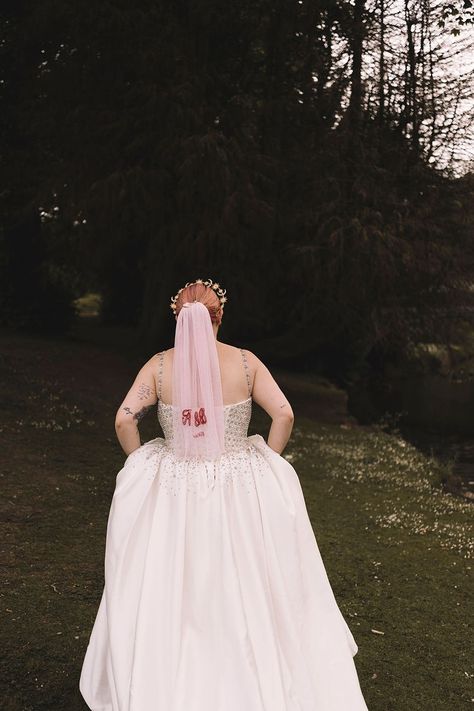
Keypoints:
pixel 398 552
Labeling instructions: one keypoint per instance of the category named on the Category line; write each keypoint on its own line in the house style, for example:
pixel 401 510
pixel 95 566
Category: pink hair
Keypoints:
pixel 206 296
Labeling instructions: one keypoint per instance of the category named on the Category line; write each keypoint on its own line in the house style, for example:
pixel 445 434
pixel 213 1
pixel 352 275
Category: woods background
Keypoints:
pixel 313 157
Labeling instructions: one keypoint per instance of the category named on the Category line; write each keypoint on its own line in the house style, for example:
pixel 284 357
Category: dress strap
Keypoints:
pixel 246 368
pixel 160 372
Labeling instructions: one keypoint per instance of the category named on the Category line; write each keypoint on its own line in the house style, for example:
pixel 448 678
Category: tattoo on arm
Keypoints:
pixel 141 413
pixel 144 391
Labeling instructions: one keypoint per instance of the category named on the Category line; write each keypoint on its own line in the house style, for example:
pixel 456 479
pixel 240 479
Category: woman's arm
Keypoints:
pixel 140 399
pixel 267 393
pixel 280 431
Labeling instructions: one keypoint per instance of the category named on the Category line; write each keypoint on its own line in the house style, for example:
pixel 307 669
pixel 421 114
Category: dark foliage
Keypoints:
pixel 164 141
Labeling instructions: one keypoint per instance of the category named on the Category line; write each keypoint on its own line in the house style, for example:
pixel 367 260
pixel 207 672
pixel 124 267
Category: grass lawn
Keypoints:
pixel 398 552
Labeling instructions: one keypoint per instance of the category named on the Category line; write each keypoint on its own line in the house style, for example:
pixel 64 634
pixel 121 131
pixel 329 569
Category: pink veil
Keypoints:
pixel 198 412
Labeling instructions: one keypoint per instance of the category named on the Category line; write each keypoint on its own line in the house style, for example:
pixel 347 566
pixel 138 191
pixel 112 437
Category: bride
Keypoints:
pixel 216 597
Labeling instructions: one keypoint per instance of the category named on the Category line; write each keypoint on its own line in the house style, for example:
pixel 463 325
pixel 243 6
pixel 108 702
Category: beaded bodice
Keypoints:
pixel 236 422
pixel 236 415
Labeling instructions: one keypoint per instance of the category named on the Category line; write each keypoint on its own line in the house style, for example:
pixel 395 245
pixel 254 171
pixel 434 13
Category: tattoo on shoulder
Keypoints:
pixel 127 410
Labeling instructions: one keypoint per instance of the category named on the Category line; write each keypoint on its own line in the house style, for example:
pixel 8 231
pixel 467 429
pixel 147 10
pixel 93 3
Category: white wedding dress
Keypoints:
pixel 216 597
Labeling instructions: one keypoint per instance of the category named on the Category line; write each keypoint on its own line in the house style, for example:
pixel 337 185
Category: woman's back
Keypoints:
pixel 237 373
pixel 242 374
pixel 243 378
pixel 237 413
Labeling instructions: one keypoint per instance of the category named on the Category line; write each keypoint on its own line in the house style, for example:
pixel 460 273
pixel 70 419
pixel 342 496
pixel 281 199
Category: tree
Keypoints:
pixel 287 150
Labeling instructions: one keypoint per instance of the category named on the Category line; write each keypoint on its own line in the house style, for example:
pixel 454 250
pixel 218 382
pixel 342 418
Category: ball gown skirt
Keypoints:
pixel 216 597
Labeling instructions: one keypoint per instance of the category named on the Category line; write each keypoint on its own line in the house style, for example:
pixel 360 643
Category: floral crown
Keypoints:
pixel 209 283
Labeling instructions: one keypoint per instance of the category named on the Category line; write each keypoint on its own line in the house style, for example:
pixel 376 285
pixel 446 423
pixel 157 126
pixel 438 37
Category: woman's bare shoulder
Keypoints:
pixel 154 360
pixel 253 360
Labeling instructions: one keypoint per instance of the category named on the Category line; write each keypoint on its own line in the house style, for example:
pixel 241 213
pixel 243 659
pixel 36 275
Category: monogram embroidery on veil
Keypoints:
pixel 199 417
